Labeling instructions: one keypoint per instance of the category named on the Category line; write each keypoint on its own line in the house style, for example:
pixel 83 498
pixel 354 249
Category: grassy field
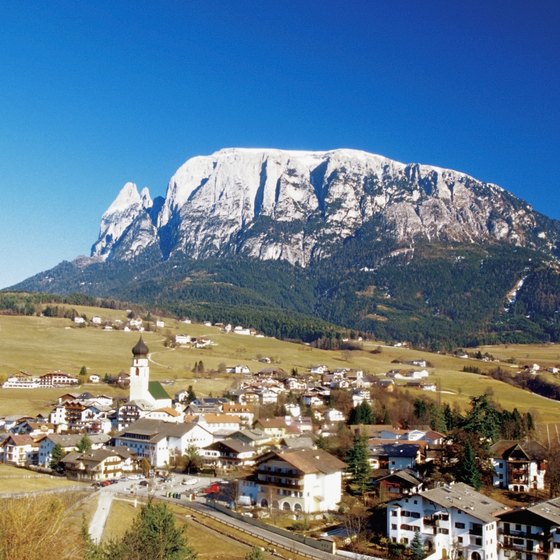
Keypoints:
pixel 13 479
pixel 208 538
pixel 39 345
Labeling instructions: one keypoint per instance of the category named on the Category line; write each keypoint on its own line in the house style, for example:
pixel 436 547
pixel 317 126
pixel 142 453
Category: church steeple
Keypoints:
pixel 140 349
pixel 140 373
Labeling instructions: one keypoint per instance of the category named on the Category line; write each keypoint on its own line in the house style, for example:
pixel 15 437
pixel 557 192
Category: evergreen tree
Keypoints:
pixel 154 536
pixel 416 546
pixel 467 469
pixel 84 444
pixel 57 454
pixel 358 462
pixel 191 395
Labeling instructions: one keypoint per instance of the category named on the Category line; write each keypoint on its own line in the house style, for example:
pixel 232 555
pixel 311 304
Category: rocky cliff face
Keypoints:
pixel 300 206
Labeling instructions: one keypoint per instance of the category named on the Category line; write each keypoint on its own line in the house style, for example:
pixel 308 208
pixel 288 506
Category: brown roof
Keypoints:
pixel 505 448
pixel 312 461
pixel 221 419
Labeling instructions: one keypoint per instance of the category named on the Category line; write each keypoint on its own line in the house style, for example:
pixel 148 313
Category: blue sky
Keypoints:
pixel 93 94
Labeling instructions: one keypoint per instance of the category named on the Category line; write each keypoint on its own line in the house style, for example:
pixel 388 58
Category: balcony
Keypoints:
pixel 279 484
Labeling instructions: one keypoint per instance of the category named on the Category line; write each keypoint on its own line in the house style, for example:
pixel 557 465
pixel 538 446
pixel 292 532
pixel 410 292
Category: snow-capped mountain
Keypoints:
pixel 299 206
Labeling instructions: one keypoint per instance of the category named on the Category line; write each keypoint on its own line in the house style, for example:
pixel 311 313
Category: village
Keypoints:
pixel 268 440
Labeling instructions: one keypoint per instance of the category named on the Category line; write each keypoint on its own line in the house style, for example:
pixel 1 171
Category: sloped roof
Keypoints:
pixel 548 511
pixel 157 391
pixel 467 500
pixel 152 428
pixel 507 449
pixel 310 461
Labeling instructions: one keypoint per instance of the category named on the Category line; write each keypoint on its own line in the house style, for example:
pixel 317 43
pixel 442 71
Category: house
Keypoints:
pixel 302 480
pixel 228 453
pixel 18 450
pixel 94 379
pixel 57 379
pixel 21 380
pixel 398 483
pixel 67 442
pixel 394 456
pixel 454 521
pixel 254 438
pixel 220 424
pixel 159 442
pixel 245 370
pixel 182 339
pixel 160 324
pixel 99 464
pixel 96 320
pixel 531 532
pixel 245 412
pixel 79 321
pixel 273 427
pixel 518 466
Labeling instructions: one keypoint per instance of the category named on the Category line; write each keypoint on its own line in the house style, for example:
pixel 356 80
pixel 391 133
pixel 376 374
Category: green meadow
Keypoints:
pixel 39 345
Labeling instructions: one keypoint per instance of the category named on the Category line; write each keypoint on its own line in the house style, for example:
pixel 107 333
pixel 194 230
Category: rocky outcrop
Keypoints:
pixel 300 206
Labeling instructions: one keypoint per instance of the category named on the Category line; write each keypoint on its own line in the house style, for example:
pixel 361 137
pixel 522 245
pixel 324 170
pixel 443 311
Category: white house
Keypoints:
pixel 302 480
pixel 531 532
pixel 518 466
pixel 21 380
pixel 182 339
pixel 454 521
pixel 160 441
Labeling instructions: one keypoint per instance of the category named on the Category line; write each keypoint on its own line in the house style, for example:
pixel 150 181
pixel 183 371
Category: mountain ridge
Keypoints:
pixel 269 237
pixel 299 205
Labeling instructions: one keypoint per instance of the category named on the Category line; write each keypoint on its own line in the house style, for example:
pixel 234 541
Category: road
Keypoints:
pixel 97 523
pixel 268 536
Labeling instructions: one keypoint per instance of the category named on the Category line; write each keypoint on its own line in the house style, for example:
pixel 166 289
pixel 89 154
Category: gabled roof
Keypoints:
pixel 512 449
pixel 545 514
pixel 466 499
pixel 155 428
pixel 231 444
pixel 309 461
pixel 19 440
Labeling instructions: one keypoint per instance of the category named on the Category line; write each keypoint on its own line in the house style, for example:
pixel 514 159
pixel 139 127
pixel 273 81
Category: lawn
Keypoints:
pixel 13 479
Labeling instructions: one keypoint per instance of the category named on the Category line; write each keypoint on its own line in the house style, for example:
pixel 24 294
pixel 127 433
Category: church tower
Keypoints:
pixel 140 373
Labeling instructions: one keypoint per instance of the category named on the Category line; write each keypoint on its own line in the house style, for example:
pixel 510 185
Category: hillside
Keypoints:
pixel 39 344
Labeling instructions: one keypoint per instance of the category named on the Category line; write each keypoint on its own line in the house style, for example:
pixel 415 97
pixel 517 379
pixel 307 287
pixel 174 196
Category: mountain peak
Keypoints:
pixel 299 206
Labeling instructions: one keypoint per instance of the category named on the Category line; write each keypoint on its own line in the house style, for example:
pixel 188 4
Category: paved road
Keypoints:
pixel 268 536
pixel 97 523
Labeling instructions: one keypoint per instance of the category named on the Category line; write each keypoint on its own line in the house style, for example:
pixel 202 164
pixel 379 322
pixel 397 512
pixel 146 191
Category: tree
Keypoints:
pixel 192 459
pixel 416 546
pixel 57 454
pixel 84 444
pixel 358 462
pixel 145 466
pixel 191 395
pixel 255 553
pixel 154 535
pixel 467 469
pixel 83 371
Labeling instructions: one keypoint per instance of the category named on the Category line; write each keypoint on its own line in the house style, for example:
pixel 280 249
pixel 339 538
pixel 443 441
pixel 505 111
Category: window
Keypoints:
pixel 459 525
pixel 394 513
pixel 393 527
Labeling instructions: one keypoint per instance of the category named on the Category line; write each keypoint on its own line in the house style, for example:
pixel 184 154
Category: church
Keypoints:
pixel 143 392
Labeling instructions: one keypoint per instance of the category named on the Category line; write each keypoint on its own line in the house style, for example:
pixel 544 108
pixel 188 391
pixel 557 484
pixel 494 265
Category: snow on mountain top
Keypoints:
pixel 127 197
